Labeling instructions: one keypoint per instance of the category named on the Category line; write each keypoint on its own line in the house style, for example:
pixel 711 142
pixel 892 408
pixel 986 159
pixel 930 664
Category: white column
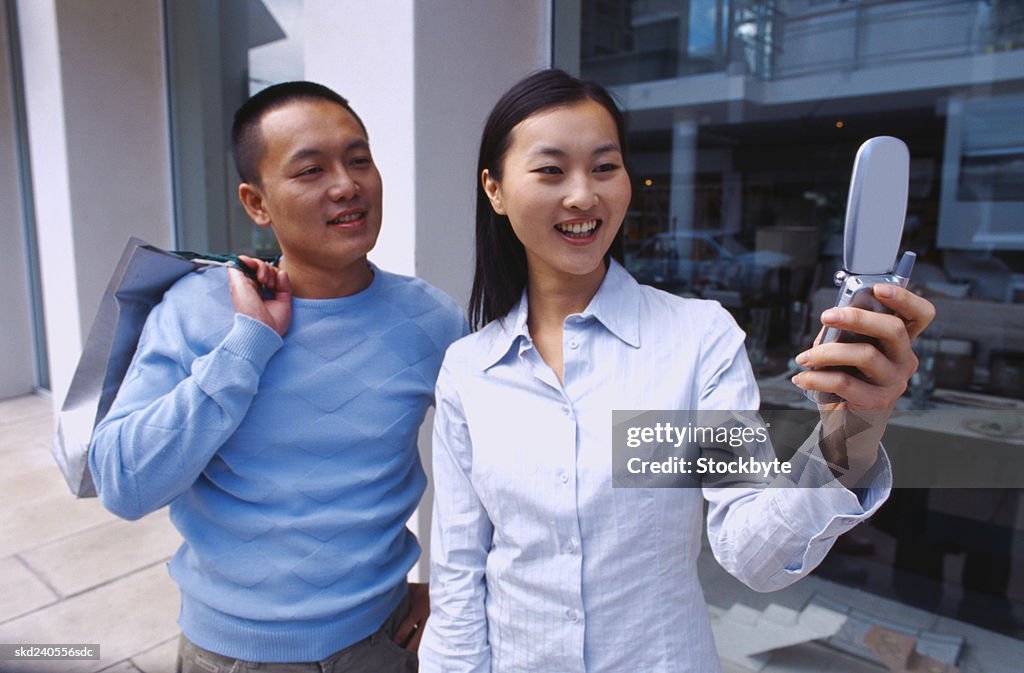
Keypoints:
pixel 97 123
pixel 467 55
pixel 44 109
pixel 365 52
pixel 684 173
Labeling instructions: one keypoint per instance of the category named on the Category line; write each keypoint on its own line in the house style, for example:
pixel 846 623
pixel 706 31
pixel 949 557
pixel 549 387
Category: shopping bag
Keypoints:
pixel 138 284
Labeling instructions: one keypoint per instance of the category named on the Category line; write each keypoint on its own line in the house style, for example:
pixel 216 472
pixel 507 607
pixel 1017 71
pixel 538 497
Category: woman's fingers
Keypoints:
pixel 916 312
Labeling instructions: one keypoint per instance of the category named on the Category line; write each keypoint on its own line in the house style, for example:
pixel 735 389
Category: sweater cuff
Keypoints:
pixel 252 340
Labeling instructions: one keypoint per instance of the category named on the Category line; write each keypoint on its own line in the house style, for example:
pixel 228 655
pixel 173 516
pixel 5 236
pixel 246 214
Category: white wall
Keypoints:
pixel 17 373
pixel 423 76
pixel 97 124
pixel 364 51
pixel 467 55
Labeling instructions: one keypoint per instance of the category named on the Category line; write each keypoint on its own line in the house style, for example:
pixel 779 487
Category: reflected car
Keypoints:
pixel 704 262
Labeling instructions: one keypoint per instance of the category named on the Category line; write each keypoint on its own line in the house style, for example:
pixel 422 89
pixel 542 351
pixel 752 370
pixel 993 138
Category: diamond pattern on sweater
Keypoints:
pixel 330 337
pixel 242 486
pixel 244 565
pixel 331 386
pixel 320 568
pixel 409 342
pixel 377 414
pixel 413 300
pixel 328 436
pixel 386 365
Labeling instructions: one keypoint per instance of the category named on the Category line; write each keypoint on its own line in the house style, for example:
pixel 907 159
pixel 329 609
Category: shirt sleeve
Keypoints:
pixel 175 409
pixel 455 639
pixel 769 537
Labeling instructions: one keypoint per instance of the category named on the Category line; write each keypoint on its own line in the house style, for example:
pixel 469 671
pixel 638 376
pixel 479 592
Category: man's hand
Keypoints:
pixel 884 370
pixel 410 631
pixel 275 313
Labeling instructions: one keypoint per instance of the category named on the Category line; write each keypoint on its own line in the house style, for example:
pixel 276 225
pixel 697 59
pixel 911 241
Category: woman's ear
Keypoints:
pixel 493 191
pixel 254 203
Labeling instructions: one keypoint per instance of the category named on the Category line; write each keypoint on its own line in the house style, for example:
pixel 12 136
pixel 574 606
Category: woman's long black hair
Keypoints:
pixel 500 274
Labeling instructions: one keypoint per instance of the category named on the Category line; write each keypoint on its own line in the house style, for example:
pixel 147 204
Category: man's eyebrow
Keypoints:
pixel 303 154
pixel 358 144
pixel 313 152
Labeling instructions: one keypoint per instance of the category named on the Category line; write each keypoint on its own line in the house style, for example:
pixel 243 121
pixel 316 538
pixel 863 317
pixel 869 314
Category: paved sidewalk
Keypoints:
pixel 71 572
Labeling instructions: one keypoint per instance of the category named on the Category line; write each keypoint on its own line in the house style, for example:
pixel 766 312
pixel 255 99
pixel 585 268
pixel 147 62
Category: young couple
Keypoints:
pixel 282 431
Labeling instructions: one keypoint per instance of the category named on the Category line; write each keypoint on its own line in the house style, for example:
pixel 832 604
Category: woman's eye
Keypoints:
pixel 362 161
pixel 548 170
pixel 606 168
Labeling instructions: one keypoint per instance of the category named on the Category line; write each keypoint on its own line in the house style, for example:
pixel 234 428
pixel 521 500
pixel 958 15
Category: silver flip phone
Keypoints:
pixel 875 210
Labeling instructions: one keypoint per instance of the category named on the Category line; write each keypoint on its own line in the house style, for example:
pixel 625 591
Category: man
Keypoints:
pixel 282 431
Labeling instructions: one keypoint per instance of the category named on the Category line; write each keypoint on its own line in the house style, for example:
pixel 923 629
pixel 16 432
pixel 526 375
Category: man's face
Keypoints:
pixel 319 189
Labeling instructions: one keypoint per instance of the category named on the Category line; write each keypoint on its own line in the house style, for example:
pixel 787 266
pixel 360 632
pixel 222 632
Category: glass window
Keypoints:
pixel 219 54
pixel 745 117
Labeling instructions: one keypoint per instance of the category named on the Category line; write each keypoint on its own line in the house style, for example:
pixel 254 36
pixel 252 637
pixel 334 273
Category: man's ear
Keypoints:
pixel 255 205
pixel 493 191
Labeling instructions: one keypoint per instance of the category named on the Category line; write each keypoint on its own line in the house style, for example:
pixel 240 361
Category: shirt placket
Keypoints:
pixel 567 523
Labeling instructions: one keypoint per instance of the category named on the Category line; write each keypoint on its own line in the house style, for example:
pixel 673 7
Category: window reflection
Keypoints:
pixel 745 117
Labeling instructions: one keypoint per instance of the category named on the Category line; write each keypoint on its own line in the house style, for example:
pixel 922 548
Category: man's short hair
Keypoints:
pixel 247 141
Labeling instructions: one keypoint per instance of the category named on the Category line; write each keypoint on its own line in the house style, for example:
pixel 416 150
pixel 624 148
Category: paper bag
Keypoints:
pixel 138 284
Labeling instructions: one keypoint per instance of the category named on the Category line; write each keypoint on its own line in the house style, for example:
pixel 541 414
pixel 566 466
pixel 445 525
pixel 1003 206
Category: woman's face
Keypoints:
pixel 564 188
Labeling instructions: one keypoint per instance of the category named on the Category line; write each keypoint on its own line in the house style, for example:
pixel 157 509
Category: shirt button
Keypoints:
pixel 572 615
pixel 565 410
pixel 573 344
pixel 570 547
pixel 563 477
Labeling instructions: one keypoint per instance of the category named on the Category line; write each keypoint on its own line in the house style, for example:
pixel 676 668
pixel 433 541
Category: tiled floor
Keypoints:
pixel 70 572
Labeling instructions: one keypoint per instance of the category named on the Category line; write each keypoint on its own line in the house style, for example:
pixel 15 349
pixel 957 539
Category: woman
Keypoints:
pixel 537 563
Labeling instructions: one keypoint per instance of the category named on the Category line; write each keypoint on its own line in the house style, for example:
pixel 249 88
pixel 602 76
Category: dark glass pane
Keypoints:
pixel 745 117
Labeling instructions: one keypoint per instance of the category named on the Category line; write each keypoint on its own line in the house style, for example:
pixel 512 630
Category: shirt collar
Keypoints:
pixel 616 306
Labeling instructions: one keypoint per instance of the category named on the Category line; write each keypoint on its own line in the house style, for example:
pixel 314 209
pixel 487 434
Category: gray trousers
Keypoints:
pixel 376 653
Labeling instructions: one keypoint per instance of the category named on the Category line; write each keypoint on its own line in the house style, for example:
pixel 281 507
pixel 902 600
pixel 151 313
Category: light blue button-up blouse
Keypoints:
pixel 537 562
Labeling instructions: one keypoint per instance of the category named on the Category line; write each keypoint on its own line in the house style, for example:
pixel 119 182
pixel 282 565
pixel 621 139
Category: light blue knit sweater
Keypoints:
pixel 290 465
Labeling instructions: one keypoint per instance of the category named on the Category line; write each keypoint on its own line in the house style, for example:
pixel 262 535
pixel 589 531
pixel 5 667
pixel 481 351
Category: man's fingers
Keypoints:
pixel 267 275
pixel 239 283
pixel 245 295
pixel 284 286
pixel 248 261
pixel 414 642
pixel 403 632
pixel 409 632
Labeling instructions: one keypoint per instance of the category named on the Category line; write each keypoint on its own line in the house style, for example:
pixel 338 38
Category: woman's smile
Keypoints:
pixel 579 232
